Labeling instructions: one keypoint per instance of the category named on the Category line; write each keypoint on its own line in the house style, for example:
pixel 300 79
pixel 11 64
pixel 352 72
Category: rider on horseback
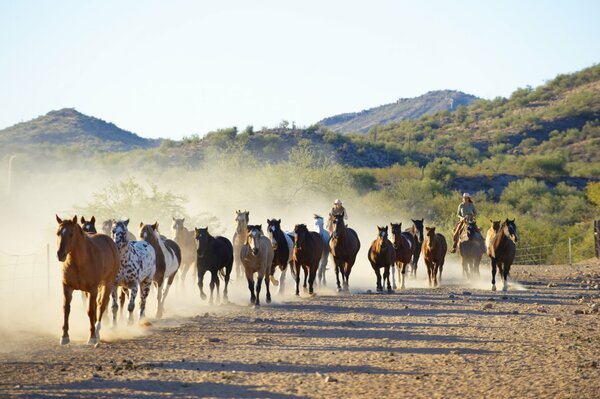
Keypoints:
pixel 466 212
pixel 338 209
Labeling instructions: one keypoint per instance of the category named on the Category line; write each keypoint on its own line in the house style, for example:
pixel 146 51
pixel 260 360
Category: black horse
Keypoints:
pixel 213 254
pixel 282 247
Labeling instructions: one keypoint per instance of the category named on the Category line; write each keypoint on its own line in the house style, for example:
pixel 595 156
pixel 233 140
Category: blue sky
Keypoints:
pixel 171 69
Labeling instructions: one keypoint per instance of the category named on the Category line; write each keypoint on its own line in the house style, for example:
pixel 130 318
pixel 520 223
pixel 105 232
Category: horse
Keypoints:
pixel 213 255
pixel 89 226
pixel 471 248
pixel 187 242
pixel 325 256
pixel 168 259
pixel 491 236
pixel 89 261
pixel 107 226
pixel 257 256
pixel 417 231
pixel 308 249
pixel 344 246
pixel 138 265
pixel 282 246
pixel 239 238
pixel 382 254
pixel 434 253
pixel 504 252
pixel 404 245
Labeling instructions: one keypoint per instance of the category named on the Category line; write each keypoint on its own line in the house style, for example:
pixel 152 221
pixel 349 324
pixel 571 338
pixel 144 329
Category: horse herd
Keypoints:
pixel 100 264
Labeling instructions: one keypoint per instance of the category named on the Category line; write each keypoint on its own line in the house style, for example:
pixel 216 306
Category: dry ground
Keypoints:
pixel 540 340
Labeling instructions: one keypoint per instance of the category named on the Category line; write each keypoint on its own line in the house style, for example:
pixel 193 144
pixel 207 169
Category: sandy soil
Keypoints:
pixel 461 340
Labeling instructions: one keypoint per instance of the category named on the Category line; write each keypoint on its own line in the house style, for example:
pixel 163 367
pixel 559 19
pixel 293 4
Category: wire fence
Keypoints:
pixel 30 273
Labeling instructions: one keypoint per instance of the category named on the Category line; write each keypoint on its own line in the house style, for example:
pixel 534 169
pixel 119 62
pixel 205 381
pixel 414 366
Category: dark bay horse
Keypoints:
pixel 89 226
pixel 214 255
pixel 505 249
pixel 417 231
pixel 344 246
pixel 308 249
pixel 434 253
pixel 282 246
pixel 382 255
pixel 471 248
pixel 168 259
pixel 404 246
pixel 187 243
pixel 90 264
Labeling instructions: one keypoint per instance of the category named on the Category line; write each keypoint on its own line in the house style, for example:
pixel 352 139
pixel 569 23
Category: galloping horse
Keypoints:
pixel 257 256
pixel 107 226
pixel 471 248
pixel 344 246
pixel 239 238
pixel 382 254
pixel 168 259
pixel 325 256
pixel 214 254
pixel 417 231
pixel 187 243
pixel 138 265
pixel 434 253
pixel 308 248
pixel 89 261
pixel 504 252
pixel 491 236
pixel 282 246
pixel 404 245
pixel 89 226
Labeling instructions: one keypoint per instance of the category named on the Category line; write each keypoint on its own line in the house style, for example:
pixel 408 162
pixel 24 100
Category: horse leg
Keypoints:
pixel 311 278
pixel 305 269
pixel 430 273
pixel 268 290
pixel 92 309
pixel 131 305
pixel 212 285
pixel 337 273
pixel 440 270
pixel 378 276
pixel 218 285
pixel 505 274
pixel 124 292
pixel 402 275
pixel 251 288
pixel 103 305
pixel 282 281
pixel 386 277
pixel 297 275
pixel 144 291
pixel 493 274
pixel 394 275
pixel 201 283
pixel 115 305
pixel 67 296
pixel 159 310
pixel 227 277
pixel 347 277
pixel 258 286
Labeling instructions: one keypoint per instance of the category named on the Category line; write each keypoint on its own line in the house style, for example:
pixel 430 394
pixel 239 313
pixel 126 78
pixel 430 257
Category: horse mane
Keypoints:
pixel 499 235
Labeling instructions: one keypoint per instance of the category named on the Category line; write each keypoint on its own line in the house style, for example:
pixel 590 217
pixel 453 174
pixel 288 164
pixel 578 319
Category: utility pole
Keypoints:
pixel 8 183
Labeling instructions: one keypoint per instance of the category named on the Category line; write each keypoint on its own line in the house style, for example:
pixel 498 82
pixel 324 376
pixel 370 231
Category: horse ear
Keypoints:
pixel 75 219
pixel 173 217
pixel 59 220
pixel 183 221
pixel 278 221
pixel 196 230
pixel 268 221
pixel 93 220
pixel 491 221
pixel 127 222
pixel 82 220
pixel 141 224
pixel 155 225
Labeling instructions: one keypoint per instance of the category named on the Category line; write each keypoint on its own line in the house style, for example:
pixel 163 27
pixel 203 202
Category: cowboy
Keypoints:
pixel 466 211
pixel 338 209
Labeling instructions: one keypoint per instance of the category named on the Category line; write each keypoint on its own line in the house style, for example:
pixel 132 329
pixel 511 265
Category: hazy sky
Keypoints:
pixel 175 68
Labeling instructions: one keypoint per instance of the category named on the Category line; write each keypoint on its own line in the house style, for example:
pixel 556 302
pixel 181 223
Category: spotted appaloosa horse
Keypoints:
pixel 138 265
pixel 187 243
pixel 215 255
pixel 404 246
pixel 505 249
pixel 257 256
pixel 90 263
pixel 168 259
pixel 434 253
pixel 321 273
pixel 382 255
pixel 282 246
pixel 239 239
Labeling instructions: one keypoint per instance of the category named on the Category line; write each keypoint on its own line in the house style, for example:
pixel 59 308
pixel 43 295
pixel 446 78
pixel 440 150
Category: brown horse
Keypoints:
pixel 471 248
pixel 344 246
pixel 504 252
pixel 308 249
pixel 404 247
pixel 434 253
pixel 187 243
pixel 257 256
pixel 239 239
pixel 417 231
pixel 90 262
pixel 382 254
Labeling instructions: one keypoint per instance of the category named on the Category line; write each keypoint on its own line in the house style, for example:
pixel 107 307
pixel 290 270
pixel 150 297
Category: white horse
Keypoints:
pixel 168 259
pixel 239 239
pixel 325 257
pixel 138 265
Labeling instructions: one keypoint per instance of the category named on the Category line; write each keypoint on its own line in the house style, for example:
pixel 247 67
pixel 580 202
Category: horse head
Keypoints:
pixel 66 233
pixel 300 233
pixel 107 226
pixel 318 221
pixel 119 231
pixel 472 229
pixel 418 224
pixel 382 236
pixel 242 219
pixel 339 226
pixel 89 226
pixel 510 229
pixel 495 225
pixel 202 235
pixel 273 226
pixel 430 233
pixel 149 232
pixel 396 232
pixel 177 226
pixel 253 240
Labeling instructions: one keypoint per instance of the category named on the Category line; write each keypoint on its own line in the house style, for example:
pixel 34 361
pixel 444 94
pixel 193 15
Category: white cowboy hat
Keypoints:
pixel 466 195
pixel 337 202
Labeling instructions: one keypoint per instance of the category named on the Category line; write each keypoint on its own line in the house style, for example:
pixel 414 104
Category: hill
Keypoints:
pixel 69 127
pixel 403 109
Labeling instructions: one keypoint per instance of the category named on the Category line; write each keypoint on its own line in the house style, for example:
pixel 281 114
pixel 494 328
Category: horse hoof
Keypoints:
pixel 93 341
pixel 65 341
pixel 339 289
pixel 203 297
pixel 268 300
pixel 257 306
pixel 493 288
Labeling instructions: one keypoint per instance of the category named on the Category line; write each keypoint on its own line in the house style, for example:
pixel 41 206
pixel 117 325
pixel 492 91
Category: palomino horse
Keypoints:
pixel 282 246
pixel 308 249
pixel 504 252
pixel 434 253
pixel 417 231
pixel 168 259
pixel 187 243
pixel 257 256
pixel 89 226
pixel 471 248
pixel 89 262
pixel 138 265
pixel 382 254
pixel 325 257
pixel 213 255
pixel 344 246
pixel 239 238
pixel 404 246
